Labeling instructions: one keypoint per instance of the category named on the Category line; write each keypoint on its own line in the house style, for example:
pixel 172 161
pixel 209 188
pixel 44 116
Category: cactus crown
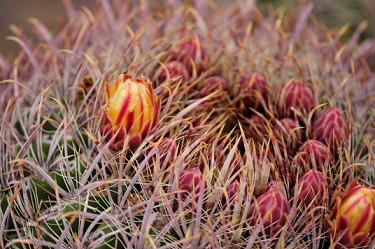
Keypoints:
pixel 244 128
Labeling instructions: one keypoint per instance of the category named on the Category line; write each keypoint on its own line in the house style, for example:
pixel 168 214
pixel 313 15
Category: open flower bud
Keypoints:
pixel 353 217
pixel 253 88
pixel 190 182
pixel 297 95
pixel 330 128
pixel 313 188
pixel 131 109
pixel 171 70
pixel 313 154
pixel 271 210
pixel 191 53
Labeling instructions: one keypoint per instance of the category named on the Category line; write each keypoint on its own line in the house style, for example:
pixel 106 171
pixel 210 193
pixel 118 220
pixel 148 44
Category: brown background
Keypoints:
pixel 18 12
pixel 335 13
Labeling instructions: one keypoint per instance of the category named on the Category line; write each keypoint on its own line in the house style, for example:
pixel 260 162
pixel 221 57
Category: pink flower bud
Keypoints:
pixel 171 70
pixel 272 209
pixel 190 181
pixel 167 151
pixel 313 154
pixel 297 95
pixel 313 189
pixel 330 128
pixel 232 193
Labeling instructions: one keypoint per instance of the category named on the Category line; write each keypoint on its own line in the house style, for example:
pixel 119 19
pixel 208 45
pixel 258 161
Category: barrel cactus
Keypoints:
pixel 186 125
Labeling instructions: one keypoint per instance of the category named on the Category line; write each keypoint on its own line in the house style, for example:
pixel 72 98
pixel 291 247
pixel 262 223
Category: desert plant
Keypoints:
pixel 208 140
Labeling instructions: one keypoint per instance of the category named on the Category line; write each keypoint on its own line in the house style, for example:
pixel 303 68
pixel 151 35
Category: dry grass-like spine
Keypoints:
pixel 137 193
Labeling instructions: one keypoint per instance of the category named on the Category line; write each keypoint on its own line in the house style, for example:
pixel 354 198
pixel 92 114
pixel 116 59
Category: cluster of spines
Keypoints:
pixel 136 197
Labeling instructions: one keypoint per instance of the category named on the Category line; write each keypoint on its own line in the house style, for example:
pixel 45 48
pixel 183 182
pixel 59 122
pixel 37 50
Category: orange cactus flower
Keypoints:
pixel 131 108
pixel 353 218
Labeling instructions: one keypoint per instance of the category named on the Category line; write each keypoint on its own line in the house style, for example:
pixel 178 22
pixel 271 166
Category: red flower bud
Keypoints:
pixel 272 209
pixel 232 193
pixel 330 128
pixel 313 154
pixel 297 95
pixel 190 181
pixel 167 150
pixel 190 50
pixel 313 188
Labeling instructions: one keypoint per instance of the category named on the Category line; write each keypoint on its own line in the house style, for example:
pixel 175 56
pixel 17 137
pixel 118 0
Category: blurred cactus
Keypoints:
pixel 225 158
pixel 295 95
pixel 253 90
pixel 289 133
pixel 191 52
pixel 171 70
pixel 215 83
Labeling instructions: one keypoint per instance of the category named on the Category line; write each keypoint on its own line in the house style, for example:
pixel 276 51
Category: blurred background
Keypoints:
pixel 18 12
pixel 334 13
pixel 337 13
